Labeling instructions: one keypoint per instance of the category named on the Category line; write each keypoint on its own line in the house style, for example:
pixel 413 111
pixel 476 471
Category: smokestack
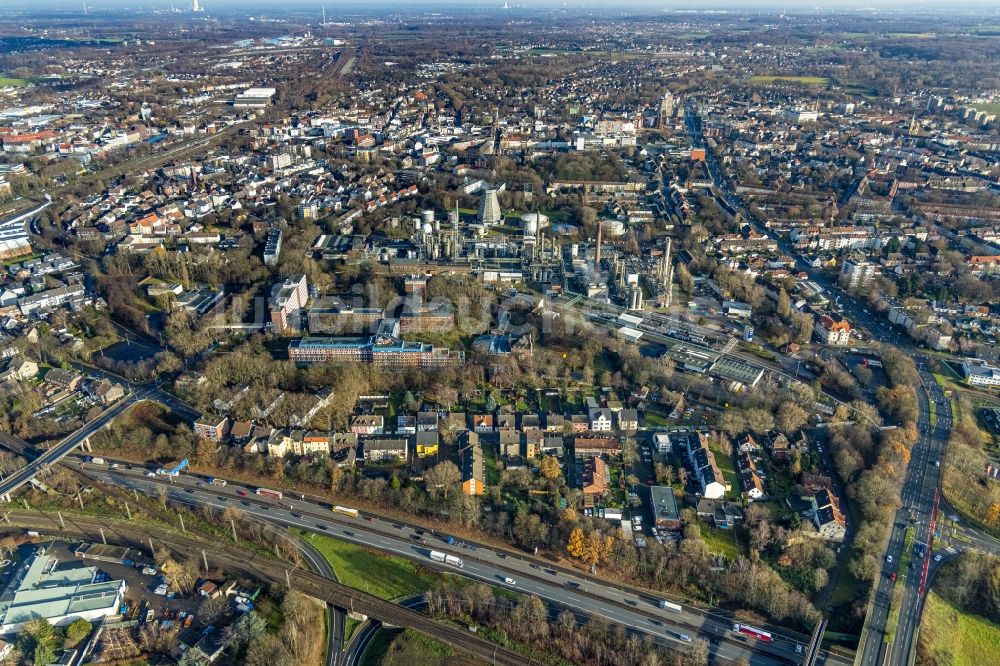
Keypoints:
pixel 597 255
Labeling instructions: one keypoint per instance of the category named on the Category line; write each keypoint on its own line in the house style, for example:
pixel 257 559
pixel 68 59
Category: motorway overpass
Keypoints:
pixel 279 573
pixel 564 588
pixel 61 449
pixel 920 487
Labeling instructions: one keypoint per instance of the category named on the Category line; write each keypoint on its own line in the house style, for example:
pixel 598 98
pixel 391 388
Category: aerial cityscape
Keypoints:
pixel 456 333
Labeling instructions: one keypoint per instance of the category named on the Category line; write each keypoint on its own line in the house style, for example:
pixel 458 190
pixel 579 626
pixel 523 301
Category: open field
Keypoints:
pixel 804 80
pixel 12 82
pixel 409 647
pixel 950 636
pixel 721 542
pixel 384 576
pixel 988 107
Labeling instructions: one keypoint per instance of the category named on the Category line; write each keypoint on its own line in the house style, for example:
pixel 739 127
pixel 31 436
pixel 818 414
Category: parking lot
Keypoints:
pixel 140 595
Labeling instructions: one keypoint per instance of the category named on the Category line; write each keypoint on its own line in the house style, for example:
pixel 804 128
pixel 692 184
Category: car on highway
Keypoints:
pixel 888 558
pixel 892 576
pixel 938 557
pixel 222 498
pixel 321 526
pixel 509 580
pixel 242 493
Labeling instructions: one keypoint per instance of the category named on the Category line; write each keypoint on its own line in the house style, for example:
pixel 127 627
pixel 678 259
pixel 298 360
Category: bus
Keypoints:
pixel 347 511
pixel 273 494
pixel 753 632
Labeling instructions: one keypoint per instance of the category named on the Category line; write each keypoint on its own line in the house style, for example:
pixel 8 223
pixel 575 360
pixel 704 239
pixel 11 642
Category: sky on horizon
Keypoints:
pixel 791 6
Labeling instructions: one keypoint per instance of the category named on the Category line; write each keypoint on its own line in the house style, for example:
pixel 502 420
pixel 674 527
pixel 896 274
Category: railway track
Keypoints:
pixel 258 566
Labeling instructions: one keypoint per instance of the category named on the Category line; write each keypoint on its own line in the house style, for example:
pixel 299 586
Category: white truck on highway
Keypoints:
pixel 438 556
pixel 96 461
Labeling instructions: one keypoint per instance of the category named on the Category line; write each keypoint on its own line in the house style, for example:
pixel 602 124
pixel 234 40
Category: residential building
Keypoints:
pixel 723 515
pixel 553 445
pixel 833 330
pixel 506 422
pixel 778 444
pixel 288 297
pixel 52 298
pixel 106 392
pixel 706 471
pixel 666 515
pixel 596 446
pixel 855 273
pixel 272 248
pixel 533 438
pixel 19 369
pixel 745 443
pixel 385 450
pixel 211 427
pixel 483 423
pixel 628 420
pixel 427 421
pixel 594 478
pixel 600 419
pixel 579 422
pixel 510 443
pixel 750 478
pixel 473 468
pixel 368 424
pixel 427 443
pixel 661 441
pixel 64 379
pixel 406 424
pixel 555 423
pixel 830 522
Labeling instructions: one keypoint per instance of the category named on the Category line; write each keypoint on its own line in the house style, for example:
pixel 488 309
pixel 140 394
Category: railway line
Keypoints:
pixel 261 567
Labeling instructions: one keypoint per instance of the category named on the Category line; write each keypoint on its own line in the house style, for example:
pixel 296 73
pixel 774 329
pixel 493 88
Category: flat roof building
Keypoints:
pixel 39 589
pixel 666 515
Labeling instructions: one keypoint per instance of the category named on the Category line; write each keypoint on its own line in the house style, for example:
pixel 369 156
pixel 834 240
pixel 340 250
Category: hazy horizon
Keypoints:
pixel 790 8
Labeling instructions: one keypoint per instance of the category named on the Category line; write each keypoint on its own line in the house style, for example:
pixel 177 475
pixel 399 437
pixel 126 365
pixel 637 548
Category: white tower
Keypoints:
pixel 196 6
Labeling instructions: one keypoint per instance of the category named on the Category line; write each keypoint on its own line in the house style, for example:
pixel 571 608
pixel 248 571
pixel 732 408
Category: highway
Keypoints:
pixel 918 506
pixel 335 639
pixel 560 587
pixel 919 493
pixel 58 451
pixel 366 632
pixel 278 573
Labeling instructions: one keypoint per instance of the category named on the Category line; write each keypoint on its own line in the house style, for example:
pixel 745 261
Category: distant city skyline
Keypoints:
pixel 641 6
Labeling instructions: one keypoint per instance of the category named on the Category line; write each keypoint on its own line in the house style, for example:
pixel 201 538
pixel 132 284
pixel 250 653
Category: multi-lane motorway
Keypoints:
pixel 883 643
pixel 558 586
pixel 920 486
